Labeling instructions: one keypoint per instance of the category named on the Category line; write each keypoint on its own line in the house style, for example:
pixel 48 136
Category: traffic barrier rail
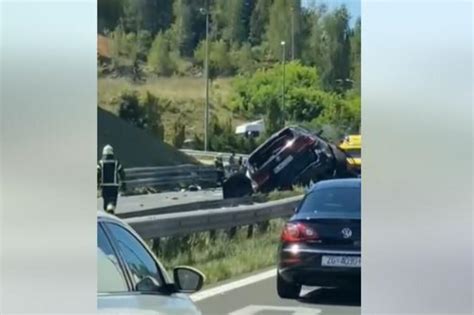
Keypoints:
pixel 182 223
pixel 212 155
pixel 170 176
pixel 193 206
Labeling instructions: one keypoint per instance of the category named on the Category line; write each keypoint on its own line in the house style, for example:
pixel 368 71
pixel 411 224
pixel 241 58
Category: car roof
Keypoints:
pixel 336 183
pixel 104 216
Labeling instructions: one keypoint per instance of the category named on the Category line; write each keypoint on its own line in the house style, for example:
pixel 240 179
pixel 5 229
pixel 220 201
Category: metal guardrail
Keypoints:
pixel 170 176
pixel 182 223
pixel 206 204
pixel 209 155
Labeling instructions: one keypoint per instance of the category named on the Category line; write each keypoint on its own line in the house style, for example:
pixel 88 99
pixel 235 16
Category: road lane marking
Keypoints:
pixel 232 285
pixel 255 309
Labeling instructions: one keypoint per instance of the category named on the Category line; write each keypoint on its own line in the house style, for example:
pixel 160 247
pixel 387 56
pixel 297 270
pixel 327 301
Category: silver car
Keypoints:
pixel 130 278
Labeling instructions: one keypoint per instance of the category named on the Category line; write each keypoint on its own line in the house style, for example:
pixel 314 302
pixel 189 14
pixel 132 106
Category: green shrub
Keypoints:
pixel 219 58
pixel 141 111
pixel 159 57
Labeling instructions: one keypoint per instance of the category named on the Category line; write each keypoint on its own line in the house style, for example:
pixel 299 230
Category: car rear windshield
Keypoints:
pixel 337 199
pixel 269 148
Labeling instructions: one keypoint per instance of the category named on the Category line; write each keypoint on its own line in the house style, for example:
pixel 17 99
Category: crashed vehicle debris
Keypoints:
pixel 289 157
pixel 352 145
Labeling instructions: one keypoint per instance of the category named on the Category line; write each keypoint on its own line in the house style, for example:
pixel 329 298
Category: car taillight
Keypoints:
pixel 298 232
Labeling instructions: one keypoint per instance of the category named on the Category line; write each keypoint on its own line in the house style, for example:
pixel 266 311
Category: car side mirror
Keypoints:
pixel 187 279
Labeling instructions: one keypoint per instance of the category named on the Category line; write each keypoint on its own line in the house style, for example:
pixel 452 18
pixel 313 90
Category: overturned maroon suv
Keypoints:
pixel 292 156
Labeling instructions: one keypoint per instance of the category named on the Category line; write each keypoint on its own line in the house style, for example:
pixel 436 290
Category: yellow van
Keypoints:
pixel 352 145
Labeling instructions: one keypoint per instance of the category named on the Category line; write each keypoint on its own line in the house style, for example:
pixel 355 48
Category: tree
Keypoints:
pixel 259 20
pixel 356 55
pixel 157 15
pixel 132 15
pixel 342 54
pixel 150 15
pixel 109 12
pixel 235 30
pixel 243 60
pixel 274 120
pixel 159 58
pixel 183 26
pixel 144 41
pixel 219 59
pixel 117 40
pixel 218 19
pixel 279 27
pixel 318 53
pixel 337 32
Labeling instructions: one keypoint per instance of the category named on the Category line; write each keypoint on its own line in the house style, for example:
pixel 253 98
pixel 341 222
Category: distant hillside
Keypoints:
pixel 133 146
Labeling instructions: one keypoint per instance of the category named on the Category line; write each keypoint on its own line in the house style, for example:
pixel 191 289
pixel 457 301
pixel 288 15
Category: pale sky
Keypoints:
pixel 352 5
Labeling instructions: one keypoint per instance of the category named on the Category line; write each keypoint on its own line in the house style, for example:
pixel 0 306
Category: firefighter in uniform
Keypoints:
pixel 110 176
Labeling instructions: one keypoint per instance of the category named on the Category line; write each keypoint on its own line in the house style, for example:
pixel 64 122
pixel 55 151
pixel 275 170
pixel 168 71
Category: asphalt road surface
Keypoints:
pixel 149 201
pixel 256 295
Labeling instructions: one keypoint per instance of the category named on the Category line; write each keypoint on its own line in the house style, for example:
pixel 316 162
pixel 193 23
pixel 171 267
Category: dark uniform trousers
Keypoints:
pixel 109 194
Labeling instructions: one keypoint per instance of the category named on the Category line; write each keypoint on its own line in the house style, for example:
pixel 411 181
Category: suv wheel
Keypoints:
pixel 287 290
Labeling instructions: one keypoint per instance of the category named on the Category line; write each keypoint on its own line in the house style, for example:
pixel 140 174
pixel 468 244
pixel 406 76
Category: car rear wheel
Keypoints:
pixel 287 290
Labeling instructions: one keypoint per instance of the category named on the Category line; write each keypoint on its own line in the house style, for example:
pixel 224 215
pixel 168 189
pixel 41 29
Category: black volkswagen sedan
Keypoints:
pixel 320 244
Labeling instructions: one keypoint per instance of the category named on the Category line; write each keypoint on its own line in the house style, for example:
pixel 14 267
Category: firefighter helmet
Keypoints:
pixel 108 150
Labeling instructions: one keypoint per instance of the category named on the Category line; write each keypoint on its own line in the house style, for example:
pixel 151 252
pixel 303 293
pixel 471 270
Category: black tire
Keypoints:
pixel 236 186
pixel 287 290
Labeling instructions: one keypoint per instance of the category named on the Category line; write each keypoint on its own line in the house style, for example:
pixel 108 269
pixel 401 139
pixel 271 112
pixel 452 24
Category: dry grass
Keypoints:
pixel 174 88
pixel 186 93
pixel 224 258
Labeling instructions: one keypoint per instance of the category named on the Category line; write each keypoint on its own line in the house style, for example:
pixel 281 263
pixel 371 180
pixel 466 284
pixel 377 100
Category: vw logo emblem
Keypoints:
pixel 346 232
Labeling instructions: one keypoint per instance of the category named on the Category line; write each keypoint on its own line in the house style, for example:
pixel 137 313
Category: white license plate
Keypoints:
pixel 340 261
pixel 283 164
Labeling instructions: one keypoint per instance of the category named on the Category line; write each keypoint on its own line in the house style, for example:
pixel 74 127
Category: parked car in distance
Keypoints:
pixel 130 280
pixel 320 244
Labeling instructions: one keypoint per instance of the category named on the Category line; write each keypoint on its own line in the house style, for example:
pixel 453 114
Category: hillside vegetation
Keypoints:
pixel 151 55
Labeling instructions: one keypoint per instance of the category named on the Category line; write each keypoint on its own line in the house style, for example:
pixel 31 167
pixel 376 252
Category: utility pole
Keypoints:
pixel 283 44
pixel 206 74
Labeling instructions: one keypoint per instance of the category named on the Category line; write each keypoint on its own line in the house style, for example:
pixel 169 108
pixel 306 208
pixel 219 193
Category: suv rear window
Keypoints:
pixel 336 199
pixel 270 147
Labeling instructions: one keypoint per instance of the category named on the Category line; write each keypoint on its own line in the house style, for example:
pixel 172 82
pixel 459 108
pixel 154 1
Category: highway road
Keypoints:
pixel 142 202
pixel 256 295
